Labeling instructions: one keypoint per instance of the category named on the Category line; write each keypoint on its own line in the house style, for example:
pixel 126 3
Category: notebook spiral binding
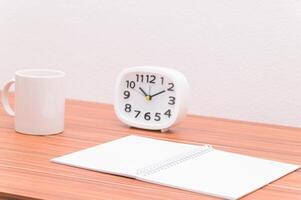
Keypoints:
pixel 156 167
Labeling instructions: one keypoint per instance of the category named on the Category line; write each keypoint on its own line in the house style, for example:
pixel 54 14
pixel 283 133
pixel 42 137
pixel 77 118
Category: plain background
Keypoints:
pixel 242 58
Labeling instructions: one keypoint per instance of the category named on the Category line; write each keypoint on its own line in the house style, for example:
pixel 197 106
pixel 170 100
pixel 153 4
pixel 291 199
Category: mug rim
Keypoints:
pixel 31 73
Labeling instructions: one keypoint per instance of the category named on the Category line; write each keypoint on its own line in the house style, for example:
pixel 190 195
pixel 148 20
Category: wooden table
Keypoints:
pixel 26 173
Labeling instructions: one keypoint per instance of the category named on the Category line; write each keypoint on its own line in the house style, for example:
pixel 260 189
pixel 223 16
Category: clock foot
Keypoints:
pixel 164 130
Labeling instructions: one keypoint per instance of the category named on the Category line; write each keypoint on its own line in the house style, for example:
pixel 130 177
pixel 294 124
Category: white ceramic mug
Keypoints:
pixel 39 101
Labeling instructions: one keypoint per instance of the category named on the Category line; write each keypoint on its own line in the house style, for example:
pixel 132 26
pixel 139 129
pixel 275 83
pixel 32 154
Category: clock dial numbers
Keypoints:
pixel 137 113
pixel 130 84
pixel 168 113
pixel 128 107
pixel 171 86
pixel 139 77
pixel 172 100
pixel 157 116
pixel 162 80
pixel 147 116
pixel 126 94
pixel 146 78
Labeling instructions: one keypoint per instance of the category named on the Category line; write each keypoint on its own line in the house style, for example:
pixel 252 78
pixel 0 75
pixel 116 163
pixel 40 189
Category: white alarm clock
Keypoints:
pixel 153 98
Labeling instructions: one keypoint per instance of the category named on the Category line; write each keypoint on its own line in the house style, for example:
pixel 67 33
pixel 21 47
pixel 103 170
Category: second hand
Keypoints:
pixel 149 90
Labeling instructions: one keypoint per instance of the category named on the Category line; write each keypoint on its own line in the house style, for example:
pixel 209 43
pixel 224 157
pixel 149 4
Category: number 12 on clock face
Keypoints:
pixel 147 97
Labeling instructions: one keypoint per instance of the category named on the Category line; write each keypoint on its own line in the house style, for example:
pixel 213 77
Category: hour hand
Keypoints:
pixel 145 94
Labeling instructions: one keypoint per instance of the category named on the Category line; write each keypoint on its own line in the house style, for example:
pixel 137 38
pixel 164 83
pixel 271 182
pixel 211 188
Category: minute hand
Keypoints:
pixel 158 93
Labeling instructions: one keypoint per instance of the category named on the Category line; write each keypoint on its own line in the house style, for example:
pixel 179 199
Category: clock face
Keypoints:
pixel 147 98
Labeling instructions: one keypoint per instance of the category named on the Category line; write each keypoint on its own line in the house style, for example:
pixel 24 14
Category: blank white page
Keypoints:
pixel 221 174
pixel 124 156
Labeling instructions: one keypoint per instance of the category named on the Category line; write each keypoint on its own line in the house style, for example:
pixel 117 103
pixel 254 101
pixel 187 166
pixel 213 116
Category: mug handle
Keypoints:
pixel 5 101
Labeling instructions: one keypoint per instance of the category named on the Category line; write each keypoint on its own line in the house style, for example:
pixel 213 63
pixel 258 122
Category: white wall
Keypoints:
pixel 242 58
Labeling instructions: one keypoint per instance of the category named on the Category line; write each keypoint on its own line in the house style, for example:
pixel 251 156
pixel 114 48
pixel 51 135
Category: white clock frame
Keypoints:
pixel 181 93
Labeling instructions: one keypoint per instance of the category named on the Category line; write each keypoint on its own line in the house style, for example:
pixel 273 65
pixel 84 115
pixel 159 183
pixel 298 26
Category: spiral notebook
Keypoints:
pixel 200 169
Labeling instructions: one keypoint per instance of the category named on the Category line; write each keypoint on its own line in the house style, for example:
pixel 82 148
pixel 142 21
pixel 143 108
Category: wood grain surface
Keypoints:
pixel 26 173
